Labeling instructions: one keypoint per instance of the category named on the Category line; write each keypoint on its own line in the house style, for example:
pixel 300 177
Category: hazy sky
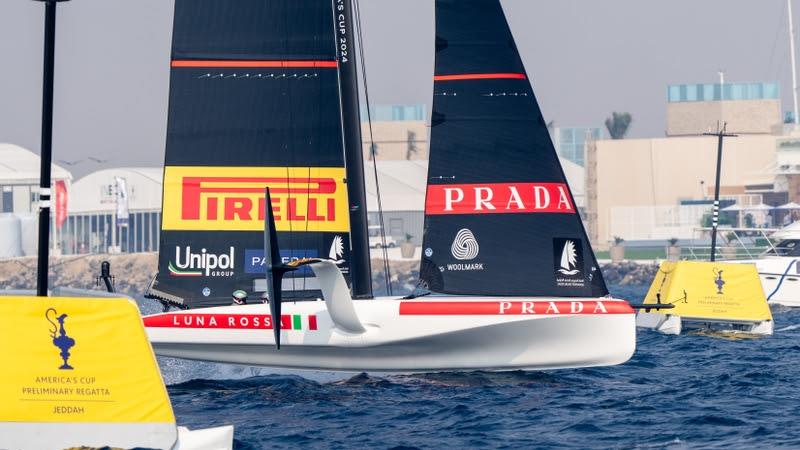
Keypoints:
pixel 586 58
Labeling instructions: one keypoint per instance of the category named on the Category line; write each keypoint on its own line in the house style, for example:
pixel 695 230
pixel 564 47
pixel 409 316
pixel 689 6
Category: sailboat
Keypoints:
pixel 263 192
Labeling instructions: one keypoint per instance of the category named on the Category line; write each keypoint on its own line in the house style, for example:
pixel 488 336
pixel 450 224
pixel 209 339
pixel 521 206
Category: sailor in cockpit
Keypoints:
pixel 239 297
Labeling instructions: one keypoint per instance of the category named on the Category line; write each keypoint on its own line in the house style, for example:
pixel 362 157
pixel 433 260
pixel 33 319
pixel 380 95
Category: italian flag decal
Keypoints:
pixel 297 322
pixel 175 272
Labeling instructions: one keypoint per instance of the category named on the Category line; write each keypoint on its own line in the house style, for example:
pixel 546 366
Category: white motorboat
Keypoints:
pixel 779 266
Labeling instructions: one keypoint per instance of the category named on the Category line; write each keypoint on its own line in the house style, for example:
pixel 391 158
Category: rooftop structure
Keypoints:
pixel 748 108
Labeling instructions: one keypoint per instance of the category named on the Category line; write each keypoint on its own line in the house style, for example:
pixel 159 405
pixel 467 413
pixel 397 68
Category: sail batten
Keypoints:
pixel 500 218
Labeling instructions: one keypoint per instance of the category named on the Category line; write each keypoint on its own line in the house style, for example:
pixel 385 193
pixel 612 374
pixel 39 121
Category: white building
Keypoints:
pixel 19 179
pixel 92 225
pixel 19 194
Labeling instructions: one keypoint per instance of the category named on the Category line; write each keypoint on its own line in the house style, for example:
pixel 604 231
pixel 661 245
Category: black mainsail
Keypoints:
pixel 499 216
pixel 255 101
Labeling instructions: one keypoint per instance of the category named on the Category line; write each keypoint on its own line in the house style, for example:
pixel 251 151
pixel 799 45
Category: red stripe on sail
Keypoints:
pixel 481 76
pixel 498 198
pixel 517 308
pixel 254 64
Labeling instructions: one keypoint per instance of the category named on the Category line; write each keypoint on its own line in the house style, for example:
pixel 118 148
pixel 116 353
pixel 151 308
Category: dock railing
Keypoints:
pixel 734 244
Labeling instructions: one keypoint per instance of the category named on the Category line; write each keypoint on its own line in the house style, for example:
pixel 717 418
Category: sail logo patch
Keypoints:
pixel 254 261
pixel 337 248
pixel 304 199
pixel 465 247
pixel 498 198
pixel 188 263
pixel 568 262
pixel 569 257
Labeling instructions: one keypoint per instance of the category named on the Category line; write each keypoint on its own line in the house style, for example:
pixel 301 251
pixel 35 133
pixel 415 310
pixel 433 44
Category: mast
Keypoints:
pixel 360 272
pixel 47 147
pixel 720 134
pixel 794 64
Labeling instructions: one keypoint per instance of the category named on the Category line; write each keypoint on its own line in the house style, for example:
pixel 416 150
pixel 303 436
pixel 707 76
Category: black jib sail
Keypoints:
pixel 499 216
pixel 254 103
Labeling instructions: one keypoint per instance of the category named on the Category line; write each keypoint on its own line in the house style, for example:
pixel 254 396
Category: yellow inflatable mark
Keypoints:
pixel 706 290
pixel 78 360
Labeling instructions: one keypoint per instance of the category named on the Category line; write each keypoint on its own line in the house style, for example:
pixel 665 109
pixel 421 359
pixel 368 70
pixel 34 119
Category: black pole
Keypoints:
pixel 360 271
pixel 47 146
pixel 715 214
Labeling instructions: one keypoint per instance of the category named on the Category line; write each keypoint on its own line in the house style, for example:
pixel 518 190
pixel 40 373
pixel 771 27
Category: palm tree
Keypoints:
pixel 618 124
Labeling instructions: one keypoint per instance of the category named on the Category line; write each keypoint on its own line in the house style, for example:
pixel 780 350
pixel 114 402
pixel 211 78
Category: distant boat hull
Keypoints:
pixel 780 278
pixel 422 335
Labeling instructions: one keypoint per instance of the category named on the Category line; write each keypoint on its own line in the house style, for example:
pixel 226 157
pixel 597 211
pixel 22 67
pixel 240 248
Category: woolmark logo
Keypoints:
pixel 190 264
pixel 465 247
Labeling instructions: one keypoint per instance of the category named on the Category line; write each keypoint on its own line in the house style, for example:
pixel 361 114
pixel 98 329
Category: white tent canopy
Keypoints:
pixel 759 207
pixel 19 165
pixel 96 192
pixel 789 206
pixel 735 207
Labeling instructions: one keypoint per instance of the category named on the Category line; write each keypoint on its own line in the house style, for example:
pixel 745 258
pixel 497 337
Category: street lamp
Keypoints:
pixel 47 145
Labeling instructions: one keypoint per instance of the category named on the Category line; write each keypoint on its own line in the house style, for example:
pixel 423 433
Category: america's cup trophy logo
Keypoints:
pixel 718 280
pixel 569 259
pixel 62 341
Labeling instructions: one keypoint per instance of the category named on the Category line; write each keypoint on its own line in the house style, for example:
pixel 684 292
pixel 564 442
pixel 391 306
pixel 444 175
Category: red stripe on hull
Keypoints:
pixel 480 76
pixel 254 64
pixel 578 307
pixel 217 321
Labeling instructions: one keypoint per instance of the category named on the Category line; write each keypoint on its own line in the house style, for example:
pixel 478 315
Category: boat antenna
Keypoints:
pixel 373 154
pixel 47 145
pixel 796 120
pixel 720 134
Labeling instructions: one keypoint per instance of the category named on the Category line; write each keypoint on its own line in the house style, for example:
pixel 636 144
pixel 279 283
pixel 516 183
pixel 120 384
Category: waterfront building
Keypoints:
pixel 19 179
pixel 570 142
pixel 114 211
pixel 399 132
pixel 748 108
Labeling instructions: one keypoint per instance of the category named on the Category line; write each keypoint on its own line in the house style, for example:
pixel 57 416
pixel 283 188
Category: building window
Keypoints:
pixel 8 199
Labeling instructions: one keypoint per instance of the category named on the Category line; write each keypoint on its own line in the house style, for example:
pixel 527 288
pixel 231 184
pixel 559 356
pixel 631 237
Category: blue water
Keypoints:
pixel 689 391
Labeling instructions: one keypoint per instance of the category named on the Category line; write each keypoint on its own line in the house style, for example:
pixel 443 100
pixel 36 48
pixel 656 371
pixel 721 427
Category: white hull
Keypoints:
pixel 780 278
pixel 421 335
pixel 674 325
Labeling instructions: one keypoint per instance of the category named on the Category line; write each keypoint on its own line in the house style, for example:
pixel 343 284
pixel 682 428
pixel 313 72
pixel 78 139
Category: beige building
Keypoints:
pixel 638 184
pixel 747 108
pixel 396 139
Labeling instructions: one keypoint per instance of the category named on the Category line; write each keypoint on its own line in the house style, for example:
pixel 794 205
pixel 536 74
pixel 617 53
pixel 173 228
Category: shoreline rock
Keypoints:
pixel 133 273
